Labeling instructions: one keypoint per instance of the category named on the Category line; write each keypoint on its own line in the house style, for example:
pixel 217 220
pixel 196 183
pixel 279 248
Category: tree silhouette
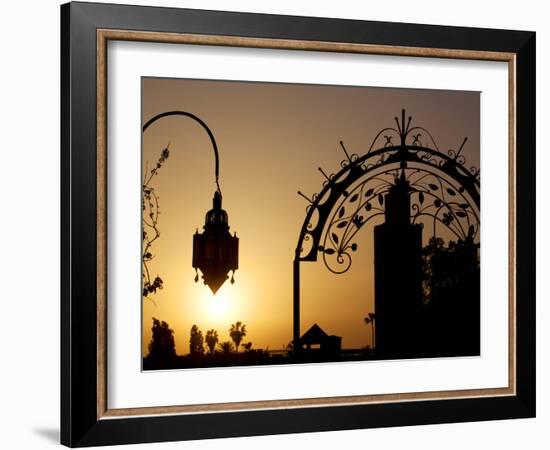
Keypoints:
pixel 447 268
pixel 211 340
pixel 237 332
pixel 162 348
pixel 289 347
pixel 226 347
pixel 451 290
pixel 196 341
pixel 438 269
pixel 150 212
pixel 369 320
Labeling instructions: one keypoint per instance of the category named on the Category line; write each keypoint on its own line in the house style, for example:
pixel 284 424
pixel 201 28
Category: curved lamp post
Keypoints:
pixel 215 251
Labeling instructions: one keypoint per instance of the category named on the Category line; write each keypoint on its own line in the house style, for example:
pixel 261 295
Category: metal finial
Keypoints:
pixel 324 174
pixel 345 151
pixel 305 196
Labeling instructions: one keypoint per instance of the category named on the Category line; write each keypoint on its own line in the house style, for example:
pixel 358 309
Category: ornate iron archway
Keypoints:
pixel 442 190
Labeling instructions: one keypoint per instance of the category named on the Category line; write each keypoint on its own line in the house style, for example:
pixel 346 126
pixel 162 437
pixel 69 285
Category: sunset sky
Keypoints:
pixel 272 138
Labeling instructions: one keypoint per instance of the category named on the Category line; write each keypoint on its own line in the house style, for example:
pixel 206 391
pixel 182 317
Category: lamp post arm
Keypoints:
pixel 202 123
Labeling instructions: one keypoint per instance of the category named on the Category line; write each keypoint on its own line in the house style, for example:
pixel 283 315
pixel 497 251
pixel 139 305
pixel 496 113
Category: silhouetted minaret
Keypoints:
pixel 397 275
pixel 398 203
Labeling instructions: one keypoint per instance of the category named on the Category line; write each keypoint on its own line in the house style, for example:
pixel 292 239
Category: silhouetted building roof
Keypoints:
pixel 315 335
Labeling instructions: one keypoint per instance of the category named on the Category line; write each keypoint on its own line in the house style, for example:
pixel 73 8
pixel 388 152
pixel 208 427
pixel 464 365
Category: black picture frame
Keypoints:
pixel 80 424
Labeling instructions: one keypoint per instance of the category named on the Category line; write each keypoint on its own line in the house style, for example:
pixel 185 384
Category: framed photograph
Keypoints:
pixel 276 224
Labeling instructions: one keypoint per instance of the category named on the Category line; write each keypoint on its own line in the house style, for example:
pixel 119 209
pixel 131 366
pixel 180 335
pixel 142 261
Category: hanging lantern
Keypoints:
pixel 215 251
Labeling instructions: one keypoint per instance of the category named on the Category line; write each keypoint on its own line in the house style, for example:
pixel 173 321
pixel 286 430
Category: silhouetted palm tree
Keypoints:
pixel 196 341
pixel 370 320
pixel 226 347
pixel 162 347
pixel 237 332
pixel 211 340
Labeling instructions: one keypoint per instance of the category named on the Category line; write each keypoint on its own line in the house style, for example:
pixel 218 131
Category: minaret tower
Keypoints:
pixel 397 274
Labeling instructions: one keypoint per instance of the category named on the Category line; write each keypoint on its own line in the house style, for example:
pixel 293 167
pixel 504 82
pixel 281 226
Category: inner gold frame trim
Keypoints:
pixel 104 35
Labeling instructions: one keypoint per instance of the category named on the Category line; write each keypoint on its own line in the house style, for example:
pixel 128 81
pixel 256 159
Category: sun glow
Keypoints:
pixel 217 307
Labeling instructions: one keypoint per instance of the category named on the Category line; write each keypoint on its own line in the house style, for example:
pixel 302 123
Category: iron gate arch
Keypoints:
pixel 443 187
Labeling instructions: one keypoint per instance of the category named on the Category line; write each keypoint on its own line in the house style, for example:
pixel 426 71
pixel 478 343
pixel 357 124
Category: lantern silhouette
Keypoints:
pixel 215 251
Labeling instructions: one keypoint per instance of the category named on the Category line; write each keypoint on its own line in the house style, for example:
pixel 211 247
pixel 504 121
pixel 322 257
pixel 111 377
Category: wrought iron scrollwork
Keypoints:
pixel 444 192
pixel 445 204
pixel 355 209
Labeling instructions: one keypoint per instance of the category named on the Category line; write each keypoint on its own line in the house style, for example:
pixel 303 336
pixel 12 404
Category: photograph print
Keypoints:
pixel 293 223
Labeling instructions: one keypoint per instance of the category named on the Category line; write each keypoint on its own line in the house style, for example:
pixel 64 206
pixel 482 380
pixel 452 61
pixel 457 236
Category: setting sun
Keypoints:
pixel 217 307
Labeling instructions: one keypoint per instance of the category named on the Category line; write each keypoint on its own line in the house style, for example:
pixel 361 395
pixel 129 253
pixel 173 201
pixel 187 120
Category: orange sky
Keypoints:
pixel 272 138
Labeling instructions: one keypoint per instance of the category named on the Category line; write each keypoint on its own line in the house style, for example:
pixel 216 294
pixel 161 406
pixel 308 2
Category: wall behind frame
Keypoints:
pixel 29 147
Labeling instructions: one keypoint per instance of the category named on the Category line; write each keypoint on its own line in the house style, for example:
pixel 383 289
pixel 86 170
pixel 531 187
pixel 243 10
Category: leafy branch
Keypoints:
pixel 150 216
